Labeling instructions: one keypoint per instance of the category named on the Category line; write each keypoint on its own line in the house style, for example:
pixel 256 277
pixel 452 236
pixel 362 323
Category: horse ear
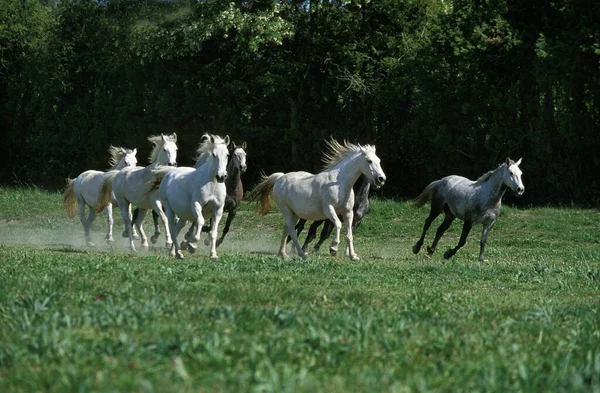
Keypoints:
pixel 508 161
pixel 233 145
pixel 518 162
pixel 163 137
pixel 226 139
pixel 174 137
pixel 135 151
pixel 244 145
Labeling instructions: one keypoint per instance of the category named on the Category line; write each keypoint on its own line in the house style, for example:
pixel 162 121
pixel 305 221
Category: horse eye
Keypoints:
pixel 370 161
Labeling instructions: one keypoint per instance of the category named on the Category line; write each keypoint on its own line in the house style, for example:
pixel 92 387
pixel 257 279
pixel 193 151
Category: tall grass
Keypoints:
pixel 78 319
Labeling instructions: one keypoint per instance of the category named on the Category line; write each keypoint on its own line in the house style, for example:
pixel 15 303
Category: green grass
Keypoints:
pixel 75 319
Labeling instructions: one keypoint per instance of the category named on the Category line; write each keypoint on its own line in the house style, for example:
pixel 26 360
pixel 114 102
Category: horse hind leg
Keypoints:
pixel 463 239
pixel 85 222
pixel 230 217
pixel 110 223
pixel 448 219
pixel 436 210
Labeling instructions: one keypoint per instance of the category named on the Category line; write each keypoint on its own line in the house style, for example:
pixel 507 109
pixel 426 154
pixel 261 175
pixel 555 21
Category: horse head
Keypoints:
pixel 512 176
pixel 239 156
pixel 130 158
pixel 371 167
pixel 165 149
pixel 221 154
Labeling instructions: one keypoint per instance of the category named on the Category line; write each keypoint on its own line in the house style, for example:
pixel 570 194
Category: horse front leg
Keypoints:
pixel 214 227
pixel 158 211
pixel 484 235
pixel 173 224
pixel 125 207
pixel 463 239
pixel 348 216
pixel 230 217
pixel 325 233
pixel 155 217
pixel 332 215
pixel 138 224
pixel 312 233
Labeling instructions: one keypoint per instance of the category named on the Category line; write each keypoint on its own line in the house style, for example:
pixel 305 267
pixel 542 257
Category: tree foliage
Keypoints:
pixel 440 87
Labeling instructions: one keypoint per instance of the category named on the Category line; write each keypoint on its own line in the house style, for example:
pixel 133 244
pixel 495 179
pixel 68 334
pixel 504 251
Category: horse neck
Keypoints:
pixel 496 185
pixel 234 179
pixel 122 164
pixel 349 172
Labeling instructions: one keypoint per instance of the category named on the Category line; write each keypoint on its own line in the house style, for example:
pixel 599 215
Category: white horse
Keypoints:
pixel 190 194
pixel 129 187
pixel 322 196
pixel 84 191
pixel 474 202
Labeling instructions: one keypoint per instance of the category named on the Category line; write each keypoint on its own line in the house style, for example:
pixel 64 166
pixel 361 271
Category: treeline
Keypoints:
pixel 439 86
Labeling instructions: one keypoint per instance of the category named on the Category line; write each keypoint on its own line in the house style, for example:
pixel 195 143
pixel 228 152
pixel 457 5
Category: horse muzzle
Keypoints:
pixel 520 190
pixel 379 182
pixel 172 164
pixel 222 178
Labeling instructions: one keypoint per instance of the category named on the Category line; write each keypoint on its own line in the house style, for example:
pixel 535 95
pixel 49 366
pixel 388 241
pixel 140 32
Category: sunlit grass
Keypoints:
pixel 78 319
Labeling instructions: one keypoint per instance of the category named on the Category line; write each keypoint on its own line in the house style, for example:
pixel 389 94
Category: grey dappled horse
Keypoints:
pixel 474 202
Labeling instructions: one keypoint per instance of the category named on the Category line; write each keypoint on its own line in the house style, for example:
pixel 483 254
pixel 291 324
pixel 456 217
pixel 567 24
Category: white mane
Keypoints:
pixel 337 152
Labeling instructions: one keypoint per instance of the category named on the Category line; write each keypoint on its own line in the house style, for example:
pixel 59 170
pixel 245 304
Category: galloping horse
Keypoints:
pixel 235 193
pixel 473 202
pixel 84 191
pixel 361 208
pixel 322 196
pixel 129 187
pixel 190 193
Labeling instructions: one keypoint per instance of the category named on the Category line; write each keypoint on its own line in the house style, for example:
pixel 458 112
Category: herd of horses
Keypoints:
pixel 339 193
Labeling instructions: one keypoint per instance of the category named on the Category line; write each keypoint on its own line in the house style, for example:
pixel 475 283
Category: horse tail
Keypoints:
pixel 69 198
pixel 261 193
pixel 157 175
pixel 426 195
pixel 105 196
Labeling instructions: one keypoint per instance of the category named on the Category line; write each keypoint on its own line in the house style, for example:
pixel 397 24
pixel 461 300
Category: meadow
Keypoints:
pixel 102 320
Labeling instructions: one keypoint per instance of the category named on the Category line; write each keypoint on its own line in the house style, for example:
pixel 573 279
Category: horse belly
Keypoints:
pixel 302 198
pixel 88 185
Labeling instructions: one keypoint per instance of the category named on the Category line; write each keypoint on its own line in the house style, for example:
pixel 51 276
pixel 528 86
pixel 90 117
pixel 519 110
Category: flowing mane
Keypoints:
pixel 489 174
pixel 116 155
pixel 337 152
pixel 158 141
pixel 206 147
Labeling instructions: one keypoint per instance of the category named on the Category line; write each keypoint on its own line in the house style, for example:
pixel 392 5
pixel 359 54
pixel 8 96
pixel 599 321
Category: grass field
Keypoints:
pixel 78 319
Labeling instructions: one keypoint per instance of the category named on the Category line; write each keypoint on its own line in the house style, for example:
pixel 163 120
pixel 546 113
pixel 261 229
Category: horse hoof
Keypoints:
pixel 207 242
pixel 91 244
pixel 191 248
pixel 448 254
pixel 110 240
pixel 154 239
pixel 354 258
pixel 483 260
pixel 416 248
pixel 304 256
pixel 125 234
pixel 332 252
pixel 215 256
pixel 179 255
pixel 430 250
